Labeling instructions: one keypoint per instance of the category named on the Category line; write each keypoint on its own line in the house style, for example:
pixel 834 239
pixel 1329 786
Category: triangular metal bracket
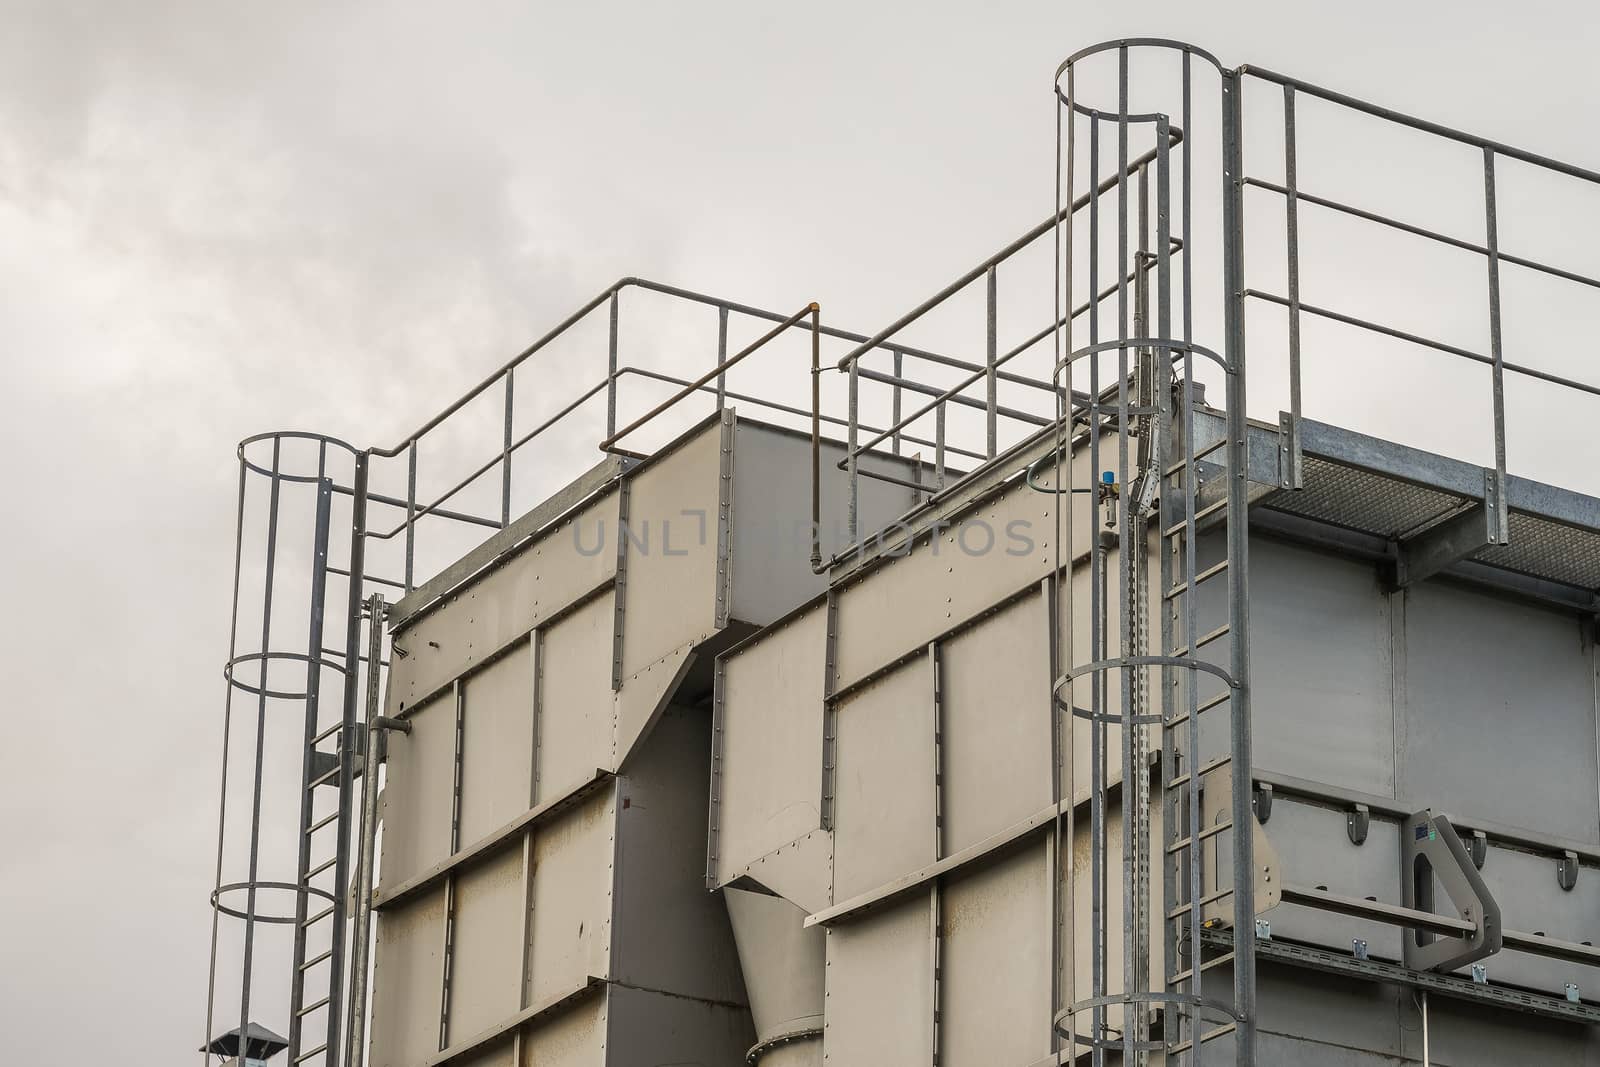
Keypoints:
pixel 1431 853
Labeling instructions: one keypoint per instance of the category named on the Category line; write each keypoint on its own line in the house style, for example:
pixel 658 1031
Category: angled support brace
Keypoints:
pixel 1456 539
pixel 1432 855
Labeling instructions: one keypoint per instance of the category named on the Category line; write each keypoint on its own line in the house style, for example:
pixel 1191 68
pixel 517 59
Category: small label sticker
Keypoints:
pixel 1424 832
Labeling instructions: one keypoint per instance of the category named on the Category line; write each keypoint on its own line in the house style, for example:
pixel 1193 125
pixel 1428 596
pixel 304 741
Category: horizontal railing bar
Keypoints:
pixel 878 339
pixel 313 961
pixel 810 309
pixel 980 372
pixel 1422 125
pixel 501 456
pixel 397 502
pixel 1388 331
pixel 1377 911
pixel 920 487
pixel 1351 320
pixel 832 420
pixel 369 578
pixel 1454 242
pixel 964 401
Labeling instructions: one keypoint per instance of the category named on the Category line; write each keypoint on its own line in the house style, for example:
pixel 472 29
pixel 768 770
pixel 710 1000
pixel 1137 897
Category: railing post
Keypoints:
pixel 899 372
pixel 991 401
pixel 855 387
pixel 1291 201
pixel 411 516
pixel 611 373
pixel 505 458
pixel 1492 243
pixel 1242 814
pixel 722 354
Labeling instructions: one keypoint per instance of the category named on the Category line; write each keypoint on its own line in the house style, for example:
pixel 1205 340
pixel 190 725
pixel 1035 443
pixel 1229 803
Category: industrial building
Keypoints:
pixel 1014 685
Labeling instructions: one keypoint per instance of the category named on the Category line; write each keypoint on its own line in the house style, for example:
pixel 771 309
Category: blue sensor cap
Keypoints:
pixel 1109 477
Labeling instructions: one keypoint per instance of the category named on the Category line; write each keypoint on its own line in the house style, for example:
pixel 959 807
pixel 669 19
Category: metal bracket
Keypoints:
pixel 1567 871
pixel 1494 506
pixel 1357 823
pixel 1291 463
pixel 1480 974
pixel 1461 537
pixel 1572 993
pixel 1431 853
pixel 1263 930
pixel 1360 947
pixel 1478 848
pixel 1263 799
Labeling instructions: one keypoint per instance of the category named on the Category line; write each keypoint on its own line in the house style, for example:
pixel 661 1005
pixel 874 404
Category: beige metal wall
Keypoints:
pixel 541 886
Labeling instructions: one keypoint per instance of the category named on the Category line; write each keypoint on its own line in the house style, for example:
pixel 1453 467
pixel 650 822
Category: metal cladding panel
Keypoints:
pixel 1499 714
pixel 771 767
pixel 646 1028
pixel 671 934
pixel 573 1037
pixel 1076 610
pixel 884 807
pixel 486 957
pixel 996 723
pixel 899 606
pixel 1323 698
pixel 1314 850
pixel 1308 1017
pixel 497 743
pixel 995 964
pixel 642 698
pixel 540 580
pixel 783 962
pixel 417 793
pixel 670 540
pixel 408 974
pixel 772 515
pixel 501 1054
pixel 880 988
pixel 570 928
pixel 1531 900
pixel 575 699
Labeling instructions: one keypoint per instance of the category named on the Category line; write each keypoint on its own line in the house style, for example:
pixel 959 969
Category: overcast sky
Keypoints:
pixel 218 218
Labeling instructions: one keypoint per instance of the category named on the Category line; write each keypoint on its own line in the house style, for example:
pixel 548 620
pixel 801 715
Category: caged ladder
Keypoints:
pixel 1160 500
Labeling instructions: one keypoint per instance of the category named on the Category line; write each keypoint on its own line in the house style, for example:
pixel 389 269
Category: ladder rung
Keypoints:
pixel 309 1008
pixel 1211 831
pixel 313 961
pixel 1203 707
pixel 1205 965
pixel 325 776
pixel 329 732
pixel 1208 510
pixel 324 821
pixel 1209 898
pixel 320 868
pixel 1210 572
pixel 318 917
pixel 1183 779
pixel 1205 639
pixel 1206 451
pixel 1185 1046
pixel 304 1056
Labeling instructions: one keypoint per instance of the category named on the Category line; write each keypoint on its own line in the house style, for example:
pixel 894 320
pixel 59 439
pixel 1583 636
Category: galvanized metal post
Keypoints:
pixel 1291 202
pixel 991 382
pixel 366 843
pixel 1243 816
pixel 347 746
pixel 1492 243
pixel 505 454
pixel 411 517
pixel 722 356
pixel 852 449
pixel 611 373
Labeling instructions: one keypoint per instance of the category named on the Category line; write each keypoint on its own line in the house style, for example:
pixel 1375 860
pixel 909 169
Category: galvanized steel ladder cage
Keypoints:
pixel 1154 479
